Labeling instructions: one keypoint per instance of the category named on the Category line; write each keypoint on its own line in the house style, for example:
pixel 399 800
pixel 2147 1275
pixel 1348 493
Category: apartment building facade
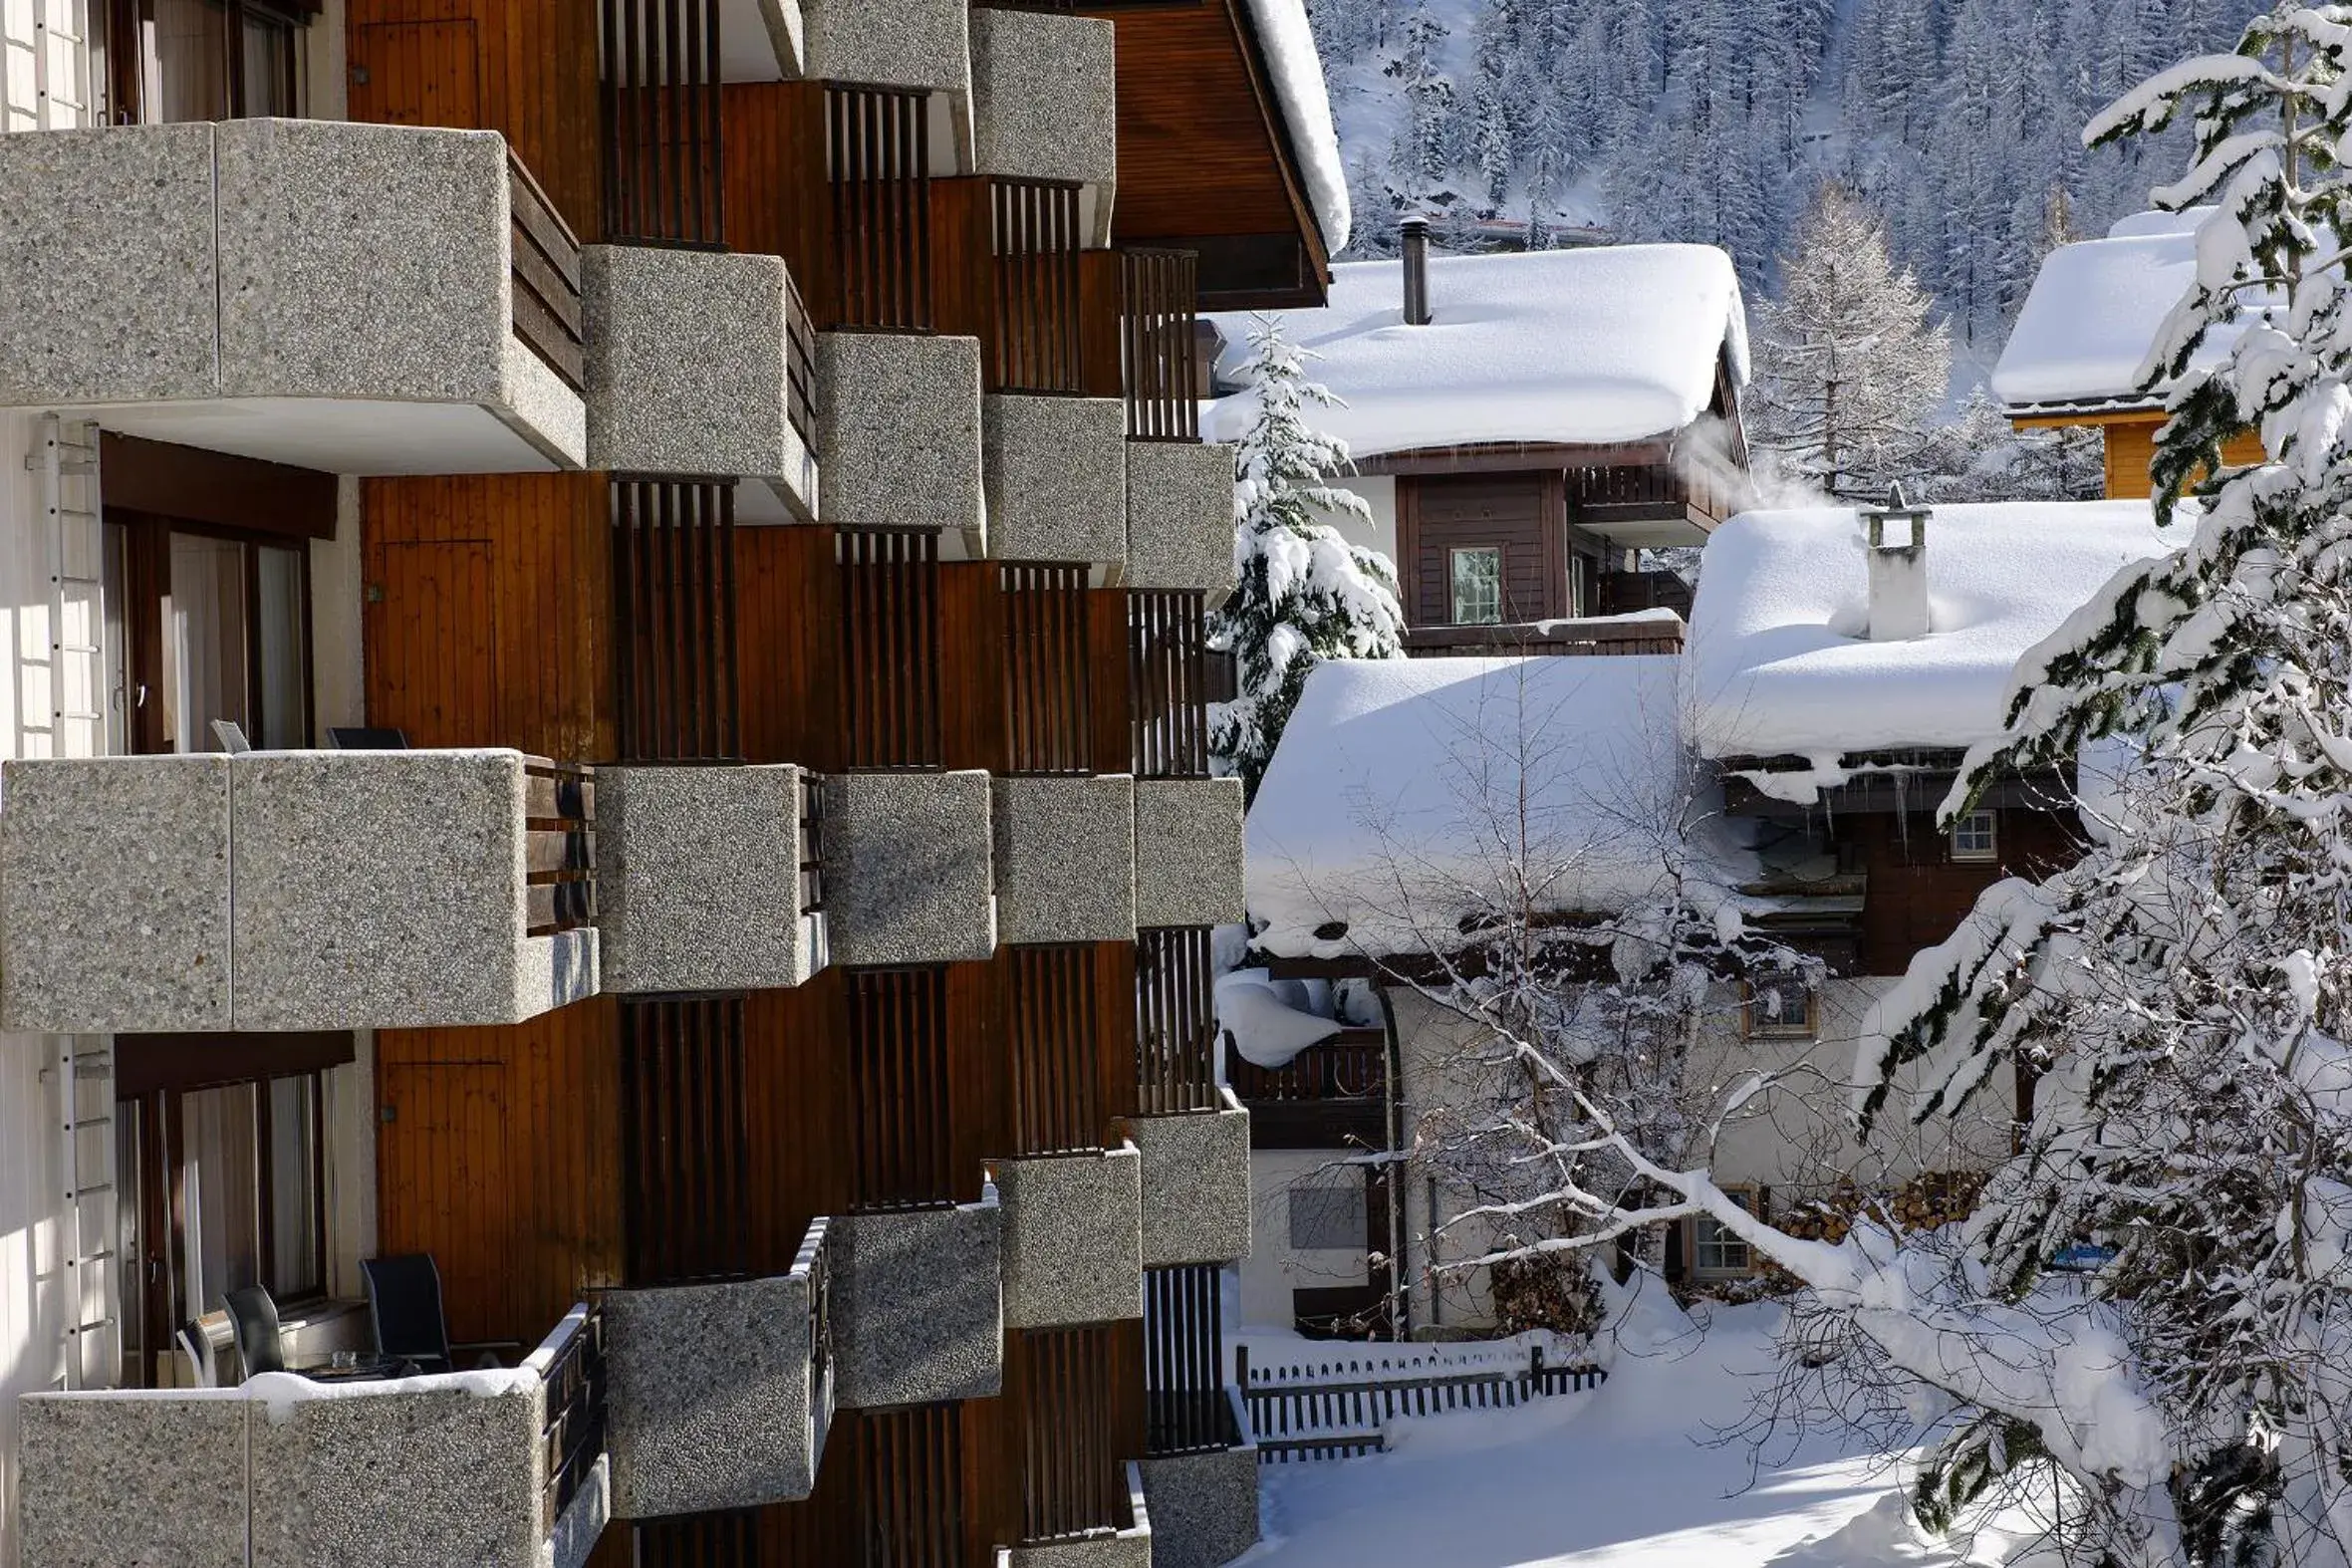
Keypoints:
pixel 696 508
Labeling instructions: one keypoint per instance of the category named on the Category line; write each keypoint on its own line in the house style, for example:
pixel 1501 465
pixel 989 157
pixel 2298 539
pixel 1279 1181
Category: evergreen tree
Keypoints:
pixel 1850 367
pixel 1306 594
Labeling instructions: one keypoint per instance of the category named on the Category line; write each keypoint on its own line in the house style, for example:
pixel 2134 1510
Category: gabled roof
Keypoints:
pixel 1780 664
pixel 1589 346
pixel 2086 329
pixel 1295 71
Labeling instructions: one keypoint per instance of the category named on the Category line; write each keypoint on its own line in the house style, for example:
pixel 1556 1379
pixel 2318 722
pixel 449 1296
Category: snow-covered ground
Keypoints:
pixel 1645 1472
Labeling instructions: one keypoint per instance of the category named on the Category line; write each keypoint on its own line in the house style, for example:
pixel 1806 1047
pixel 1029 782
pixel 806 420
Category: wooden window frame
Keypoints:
pixel 1962 853
pixel 1755 1024
pixel 1705 1232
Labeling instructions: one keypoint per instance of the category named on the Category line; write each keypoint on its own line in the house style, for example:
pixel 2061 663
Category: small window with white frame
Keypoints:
pixel 1715 1251
pixel 1780 1006
pixel 1976 837
pixel 1477 586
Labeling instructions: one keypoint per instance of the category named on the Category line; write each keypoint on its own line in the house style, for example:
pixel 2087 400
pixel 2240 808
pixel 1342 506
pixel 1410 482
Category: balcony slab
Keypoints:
pixel 1205 1508
pixel 699 882
pixel 1179 517
pixel 686 368
pixel 917 44
pixel 1065 860
pixel 1188 869
pixel 103 1482
pixel 908 868
pixel 1073 1239
pixel 1045 101
pixel 115 908
pixel 1056 476
pixel 1195 1184
pixel 898 431
pixel 919 1306
pixel 712 1398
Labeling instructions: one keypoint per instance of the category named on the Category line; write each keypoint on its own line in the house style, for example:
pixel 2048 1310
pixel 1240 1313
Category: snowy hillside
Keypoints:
pixel 1959 119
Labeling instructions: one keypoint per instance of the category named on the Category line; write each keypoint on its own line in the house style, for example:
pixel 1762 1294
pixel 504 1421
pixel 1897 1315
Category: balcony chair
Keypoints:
pixel 405 1300
pixel 253 1318
pixel 195 1344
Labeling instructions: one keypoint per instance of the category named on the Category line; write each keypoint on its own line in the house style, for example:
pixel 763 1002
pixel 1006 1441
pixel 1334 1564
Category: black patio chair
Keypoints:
pixel 253 1320
pixel 405 1300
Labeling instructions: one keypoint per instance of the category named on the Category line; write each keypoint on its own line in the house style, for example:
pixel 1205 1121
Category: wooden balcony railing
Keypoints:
pixel 811 843
pixel 1562 639
pixel 1175 1020
pixel 546 262
pixel 1049 697
pixel 561 838
pixel 1659 491
pixel 663 180
pixel 686 1151
pixel 1163 346
pixel 674 591
pixel 902 1124
pixel 1167 682
pixel 879 163
pixel 891 627
pixel 1035 345
pixel 1186 1407
pixel 1351 1065
pixel 571 1364
pixel 1073 1478
pixel 1062 1081
pixel 800 365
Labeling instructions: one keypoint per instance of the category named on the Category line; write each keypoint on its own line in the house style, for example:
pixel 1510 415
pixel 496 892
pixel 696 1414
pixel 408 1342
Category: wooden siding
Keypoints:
pixel 526 69
pixel 1917 895
pixel 2131 449
pixel 1524 515
pixel 788 641
pixel 775 162
pixel 489 611
pixel 497 1152
pixel 1183 69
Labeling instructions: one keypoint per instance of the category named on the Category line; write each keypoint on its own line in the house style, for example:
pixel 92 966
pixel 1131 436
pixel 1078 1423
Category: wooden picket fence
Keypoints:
pixel 1338 1406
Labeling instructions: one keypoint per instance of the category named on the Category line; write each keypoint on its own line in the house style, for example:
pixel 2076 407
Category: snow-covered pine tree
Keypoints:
pixel 1305 594
pixel 1850 367
pixel 2187 988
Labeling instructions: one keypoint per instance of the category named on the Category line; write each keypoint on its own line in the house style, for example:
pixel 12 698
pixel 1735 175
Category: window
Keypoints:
pixel 1780 1007
pixel 174 61
pixel 215 628
pixel 1976 837
pixel 1477 587
pixel 250 1183
pixel 1715 1251
pixel 1327 1219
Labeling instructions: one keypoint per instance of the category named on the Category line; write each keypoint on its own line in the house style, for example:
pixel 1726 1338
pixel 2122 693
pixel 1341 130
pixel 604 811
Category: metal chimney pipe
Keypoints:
pixel 1417 271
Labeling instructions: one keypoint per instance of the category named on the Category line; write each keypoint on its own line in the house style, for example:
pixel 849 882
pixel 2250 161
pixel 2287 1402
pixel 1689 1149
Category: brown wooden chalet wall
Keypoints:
pixel 1917 895
pixel 1523 514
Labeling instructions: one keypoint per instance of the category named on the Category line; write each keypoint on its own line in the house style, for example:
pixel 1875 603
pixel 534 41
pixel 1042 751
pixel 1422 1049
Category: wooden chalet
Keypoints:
pixel 700 508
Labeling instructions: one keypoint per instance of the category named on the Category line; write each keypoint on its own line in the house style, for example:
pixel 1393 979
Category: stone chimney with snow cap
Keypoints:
pixel 1417 271
pixel 1896 549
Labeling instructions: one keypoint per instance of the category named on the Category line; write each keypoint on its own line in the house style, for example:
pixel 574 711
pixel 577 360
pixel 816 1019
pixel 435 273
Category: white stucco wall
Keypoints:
pixel 1274 1268
pixel 1380 493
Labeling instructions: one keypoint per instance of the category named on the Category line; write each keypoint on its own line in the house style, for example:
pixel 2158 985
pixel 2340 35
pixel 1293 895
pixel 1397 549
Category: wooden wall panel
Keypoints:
pixel 1513 511
pixel 796 1114
pixel 775 180
pixel 788 632
pixel 497 1152
pixel 489 611
pixel 962 266
pixel 1917 895
pixel 972 666
pixel 1107 644
pixel 524 68
pixel 2131 449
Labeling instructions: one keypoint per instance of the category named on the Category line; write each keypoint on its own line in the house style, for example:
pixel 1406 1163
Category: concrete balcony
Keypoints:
pixel 899 433
pixel 499 1468
pixel 1205 1504
pixel 910 868
pixel 352 298
pixel 710 879
pixel 1179 517
pixel 1065 860
pixel 278 891
pixel 1045 105
pixel 912 44
pixel 1073 1239
pixel 699 364
pixel 1188 852
pixel 1195 1184
pixel 1056 475
pixel 721 1395
pixel 919 1306
pixel 1131 1545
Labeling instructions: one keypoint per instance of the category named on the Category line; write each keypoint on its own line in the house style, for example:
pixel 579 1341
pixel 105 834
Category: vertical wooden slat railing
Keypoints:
pixel 890 634
pixel 1350 1065
pixel 1049 701
pixel 1060 1101
pixel 1186 1409
pixel 560 846
pixel 1073 1480
pixel 1167 682
pixel 1175 1020
pixel 811 843
pixel 1163 349
pixel 909 1476
pixel 664 180
pixel 674 591
pixel 1035 345
pixel 686 1141
pixel 572 1437
pixel 544 256
pixel 800 365
pixel 878 144
pixel 901 1130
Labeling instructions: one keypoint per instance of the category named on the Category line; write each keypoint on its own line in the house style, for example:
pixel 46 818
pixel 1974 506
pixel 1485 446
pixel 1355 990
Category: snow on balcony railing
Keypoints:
pixel 1321 1400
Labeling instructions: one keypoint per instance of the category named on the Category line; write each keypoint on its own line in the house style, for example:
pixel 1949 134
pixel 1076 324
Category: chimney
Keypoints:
pixel 1898 553
pixel 1417 271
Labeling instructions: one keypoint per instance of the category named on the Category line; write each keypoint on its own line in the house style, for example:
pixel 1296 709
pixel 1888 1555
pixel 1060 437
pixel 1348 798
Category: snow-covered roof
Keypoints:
pixel 1778 663
pixel 1608 344
pixel 1297 72
pixel 2083 337
pixel 1392 808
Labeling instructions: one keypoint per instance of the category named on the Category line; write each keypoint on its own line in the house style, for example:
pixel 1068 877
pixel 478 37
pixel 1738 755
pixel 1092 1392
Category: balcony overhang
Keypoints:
pixel 1073 1239
pixel 332 296
pixel 762 40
